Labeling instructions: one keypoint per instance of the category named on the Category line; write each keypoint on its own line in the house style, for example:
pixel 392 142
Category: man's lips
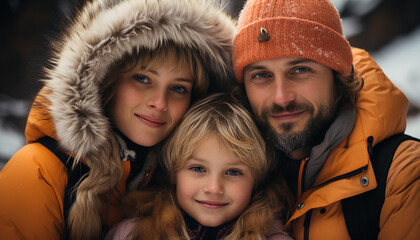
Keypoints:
pixel 211 204
pixel 287 115
pixel 150 121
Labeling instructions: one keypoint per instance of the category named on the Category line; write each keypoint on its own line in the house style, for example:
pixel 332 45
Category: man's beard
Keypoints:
pixel 288 140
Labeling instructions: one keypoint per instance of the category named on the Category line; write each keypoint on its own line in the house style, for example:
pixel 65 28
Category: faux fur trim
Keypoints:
pixel 102 33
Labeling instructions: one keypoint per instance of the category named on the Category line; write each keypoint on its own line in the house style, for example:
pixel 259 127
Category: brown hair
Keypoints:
pixel 347 87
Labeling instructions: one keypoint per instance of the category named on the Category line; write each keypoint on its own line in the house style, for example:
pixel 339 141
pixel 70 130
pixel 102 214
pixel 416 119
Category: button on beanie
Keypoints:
pixel 291 28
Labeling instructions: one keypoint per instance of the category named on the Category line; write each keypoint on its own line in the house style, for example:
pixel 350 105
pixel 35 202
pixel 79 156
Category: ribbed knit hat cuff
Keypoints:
pixel 291 37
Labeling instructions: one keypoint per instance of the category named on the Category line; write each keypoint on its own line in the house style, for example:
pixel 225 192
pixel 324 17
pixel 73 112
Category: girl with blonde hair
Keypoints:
pixel 217 162
pixel 122 75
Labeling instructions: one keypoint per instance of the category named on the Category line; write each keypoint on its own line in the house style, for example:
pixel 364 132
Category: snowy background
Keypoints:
pixel 398 53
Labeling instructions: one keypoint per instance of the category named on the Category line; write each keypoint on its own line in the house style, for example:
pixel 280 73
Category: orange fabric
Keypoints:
pixel 310 29
pixel 400 218
pixel 32 186
pixel 40 122
pixel 381 111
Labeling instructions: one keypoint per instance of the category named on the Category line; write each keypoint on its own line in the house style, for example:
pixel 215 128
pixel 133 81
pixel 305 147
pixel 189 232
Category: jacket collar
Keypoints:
pixel 339 129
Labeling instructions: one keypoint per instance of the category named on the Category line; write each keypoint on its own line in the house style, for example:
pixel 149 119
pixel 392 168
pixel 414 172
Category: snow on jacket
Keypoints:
pixel 380 112
pixel 32 184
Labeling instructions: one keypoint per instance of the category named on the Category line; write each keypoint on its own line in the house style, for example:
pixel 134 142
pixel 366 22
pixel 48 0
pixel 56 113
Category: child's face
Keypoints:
pixel 213 187
pixel 148 104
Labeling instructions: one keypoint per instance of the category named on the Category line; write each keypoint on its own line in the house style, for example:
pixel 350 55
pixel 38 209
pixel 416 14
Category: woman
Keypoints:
pixel 123 74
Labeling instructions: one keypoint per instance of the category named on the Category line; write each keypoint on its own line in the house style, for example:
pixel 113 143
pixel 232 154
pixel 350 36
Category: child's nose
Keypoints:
pixel 214 185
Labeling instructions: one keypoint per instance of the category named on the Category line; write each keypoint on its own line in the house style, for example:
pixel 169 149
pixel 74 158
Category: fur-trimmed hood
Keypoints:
pixel 103 32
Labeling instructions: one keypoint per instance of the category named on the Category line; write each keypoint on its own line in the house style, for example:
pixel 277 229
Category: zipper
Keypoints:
pixel 338 178
pixel 341 177
pixel 306 224
pixel 302 176
pixel 308 214
pixel 146 178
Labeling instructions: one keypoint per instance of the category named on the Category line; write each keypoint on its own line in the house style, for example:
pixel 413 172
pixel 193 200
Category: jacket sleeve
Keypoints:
pixel 32 186
pixel 400 216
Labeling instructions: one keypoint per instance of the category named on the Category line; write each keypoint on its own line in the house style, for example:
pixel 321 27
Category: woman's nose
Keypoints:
pixel 158 100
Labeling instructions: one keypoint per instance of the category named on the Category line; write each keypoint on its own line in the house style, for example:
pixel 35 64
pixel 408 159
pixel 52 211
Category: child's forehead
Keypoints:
pixel 213 148
pixel 210 160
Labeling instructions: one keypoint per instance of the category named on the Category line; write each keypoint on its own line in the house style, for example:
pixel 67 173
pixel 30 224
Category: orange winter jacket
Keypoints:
pixel 380 112
pixel 33 184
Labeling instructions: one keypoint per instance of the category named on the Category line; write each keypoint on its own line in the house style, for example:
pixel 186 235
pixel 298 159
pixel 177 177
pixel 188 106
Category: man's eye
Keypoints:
pixel 197 169
pixel 301 69
pixel 180 90
pixel 260 75
pixel 233 172
pixel 141 79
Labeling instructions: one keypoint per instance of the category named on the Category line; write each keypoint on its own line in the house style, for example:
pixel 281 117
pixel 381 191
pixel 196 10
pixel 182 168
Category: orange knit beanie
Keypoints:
pixel 291 28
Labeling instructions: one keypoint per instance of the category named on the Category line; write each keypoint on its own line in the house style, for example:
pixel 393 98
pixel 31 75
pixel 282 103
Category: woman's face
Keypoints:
pixel 147 105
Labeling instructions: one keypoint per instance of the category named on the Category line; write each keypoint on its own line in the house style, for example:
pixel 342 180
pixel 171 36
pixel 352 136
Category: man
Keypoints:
pixel 324 105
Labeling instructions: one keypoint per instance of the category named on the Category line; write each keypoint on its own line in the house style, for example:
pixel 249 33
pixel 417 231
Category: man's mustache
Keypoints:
pixel 291 107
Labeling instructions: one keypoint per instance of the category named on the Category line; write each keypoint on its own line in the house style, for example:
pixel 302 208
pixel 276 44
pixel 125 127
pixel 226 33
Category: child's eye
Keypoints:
pixel 179 89
pixel 198 169
pixel 233 172
pixel 141 79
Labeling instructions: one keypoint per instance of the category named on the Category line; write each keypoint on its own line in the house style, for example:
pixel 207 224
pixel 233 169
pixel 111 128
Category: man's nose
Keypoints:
pixel 283 91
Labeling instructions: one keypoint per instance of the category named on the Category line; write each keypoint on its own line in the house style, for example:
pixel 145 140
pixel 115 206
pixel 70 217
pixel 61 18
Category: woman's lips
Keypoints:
pixel 150 121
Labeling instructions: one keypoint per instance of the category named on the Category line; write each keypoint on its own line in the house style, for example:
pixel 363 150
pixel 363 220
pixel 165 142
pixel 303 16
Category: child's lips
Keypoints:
pixel 212 204
pixel 150 121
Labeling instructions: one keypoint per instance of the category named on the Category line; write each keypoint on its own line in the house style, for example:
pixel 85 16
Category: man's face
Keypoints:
pixel 293 100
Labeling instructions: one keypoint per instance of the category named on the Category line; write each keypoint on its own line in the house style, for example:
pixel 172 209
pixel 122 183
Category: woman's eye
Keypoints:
pixel 180 90
pixel 233 172
pixel 141 79
pixel 197 169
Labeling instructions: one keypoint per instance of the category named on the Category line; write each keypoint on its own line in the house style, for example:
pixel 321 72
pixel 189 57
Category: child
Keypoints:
pixel 217 161
pixel 122 76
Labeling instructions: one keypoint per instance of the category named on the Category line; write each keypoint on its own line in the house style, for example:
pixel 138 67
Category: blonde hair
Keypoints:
pixel 230 122
pixel 223 116
pixel 84 220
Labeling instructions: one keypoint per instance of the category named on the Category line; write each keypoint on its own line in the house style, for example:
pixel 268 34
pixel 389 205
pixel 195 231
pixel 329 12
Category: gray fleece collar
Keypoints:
pixel 339 129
